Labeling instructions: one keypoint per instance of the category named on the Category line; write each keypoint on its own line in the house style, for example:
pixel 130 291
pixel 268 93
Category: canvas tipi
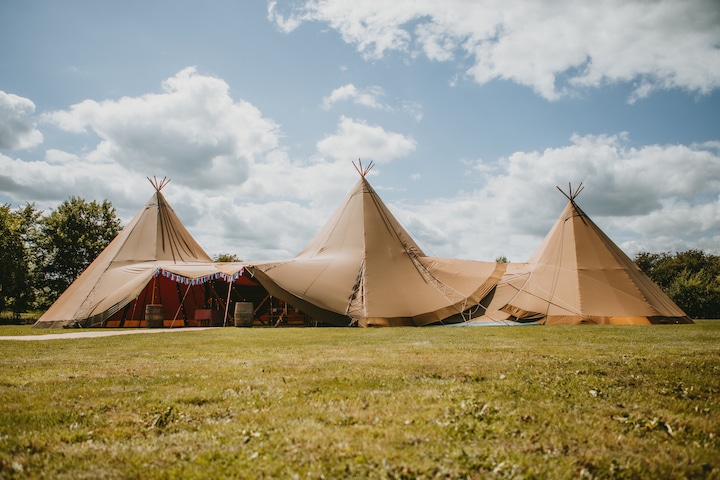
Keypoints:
pixel 578 275
pixel 155 242
pixel 364 269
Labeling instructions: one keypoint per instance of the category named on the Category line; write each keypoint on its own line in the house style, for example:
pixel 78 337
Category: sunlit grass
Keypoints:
pixel 22 330
pixel 493 402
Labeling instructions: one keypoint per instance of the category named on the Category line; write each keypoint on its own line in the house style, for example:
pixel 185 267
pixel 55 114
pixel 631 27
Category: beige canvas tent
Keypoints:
pixel 578 275
pixel 153 247
pixel 364 269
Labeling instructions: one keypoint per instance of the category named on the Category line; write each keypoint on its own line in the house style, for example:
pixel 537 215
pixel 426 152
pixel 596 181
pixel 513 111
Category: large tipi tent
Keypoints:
pixel 578 275
pixel 364 269
pixel 135 270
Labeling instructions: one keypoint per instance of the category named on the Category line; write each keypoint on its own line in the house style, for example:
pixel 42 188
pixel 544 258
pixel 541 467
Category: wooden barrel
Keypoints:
pixel 154 316
pixel 243 315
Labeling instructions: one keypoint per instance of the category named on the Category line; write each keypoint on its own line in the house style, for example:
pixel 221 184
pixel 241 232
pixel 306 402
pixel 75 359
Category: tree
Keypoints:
pixel 226 257
pixel 69 239
pixel 691 279
pixel 16 235
pixel 664 268
pixel 654 266
pixel 698 294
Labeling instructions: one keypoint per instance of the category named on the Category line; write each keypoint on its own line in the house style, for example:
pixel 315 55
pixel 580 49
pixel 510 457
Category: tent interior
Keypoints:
pixel 203 302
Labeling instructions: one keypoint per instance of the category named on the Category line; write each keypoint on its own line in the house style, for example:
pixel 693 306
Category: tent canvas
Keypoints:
pixel 579 275
pixel 154 240
pixel 363 268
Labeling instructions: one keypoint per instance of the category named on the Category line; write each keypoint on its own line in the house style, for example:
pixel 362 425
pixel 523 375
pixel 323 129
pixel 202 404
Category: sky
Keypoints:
pixel 472 112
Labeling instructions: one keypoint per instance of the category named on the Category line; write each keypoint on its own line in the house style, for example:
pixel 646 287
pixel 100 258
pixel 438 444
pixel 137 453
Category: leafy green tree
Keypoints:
pixel 16 233
pixel 698 294
pixel 69 239
pixel 226 257
pixel 691 279
pixel 656 266
pixel 664 268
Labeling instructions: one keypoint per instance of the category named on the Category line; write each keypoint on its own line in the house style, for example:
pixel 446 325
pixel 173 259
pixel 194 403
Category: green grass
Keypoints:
pixel 23 330
pixel 486 402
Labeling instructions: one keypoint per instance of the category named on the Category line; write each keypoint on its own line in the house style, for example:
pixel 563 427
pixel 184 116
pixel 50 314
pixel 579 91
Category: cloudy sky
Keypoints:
pixel 472 111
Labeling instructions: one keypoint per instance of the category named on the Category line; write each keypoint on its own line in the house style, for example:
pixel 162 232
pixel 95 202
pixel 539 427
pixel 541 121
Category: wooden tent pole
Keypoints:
pixel 182 302
pixel 154 287
pixel 227 303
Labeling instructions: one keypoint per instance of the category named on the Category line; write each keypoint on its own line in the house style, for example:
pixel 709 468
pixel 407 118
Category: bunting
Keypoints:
pixel 198 280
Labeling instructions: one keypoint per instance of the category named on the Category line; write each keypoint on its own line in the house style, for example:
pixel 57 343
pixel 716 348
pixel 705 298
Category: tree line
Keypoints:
pixel 41 255
pixel 691 279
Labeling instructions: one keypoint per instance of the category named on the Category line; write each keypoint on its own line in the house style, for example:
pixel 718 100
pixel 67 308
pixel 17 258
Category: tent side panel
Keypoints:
pixel 318 314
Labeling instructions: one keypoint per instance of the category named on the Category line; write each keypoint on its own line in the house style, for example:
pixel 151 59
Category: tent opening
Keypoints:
pixel 172 301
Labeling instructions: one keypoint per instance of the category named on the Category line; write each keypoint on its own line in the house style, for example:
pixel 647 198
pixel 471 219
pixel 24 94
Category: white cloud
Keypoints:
pixel 193 131
pixel 373 26
pixel 239 192
pixel 60 174
pixel 656 198
pixel 553 46
pixel 284 202
pixel 368 97
pixel 356 139
pixel 230 183
pixel 17 129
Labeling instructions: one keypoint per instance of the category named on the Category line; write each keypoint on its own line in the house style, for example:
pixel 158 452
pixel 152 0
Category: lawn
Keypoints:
pixel 434 402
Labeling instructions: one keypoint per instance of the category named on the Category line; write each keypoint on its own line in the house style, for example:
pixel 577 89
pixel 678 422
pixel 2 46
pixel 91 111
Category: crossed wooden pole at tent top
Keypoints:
pixel 158 184
pixel 363 170
pixel 571 195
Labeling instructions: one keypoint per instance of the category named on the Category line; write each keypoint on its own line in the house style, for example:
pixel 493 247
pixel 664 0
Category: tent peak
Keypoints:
pixel 363 171
pixel 158 184
pixel 571 194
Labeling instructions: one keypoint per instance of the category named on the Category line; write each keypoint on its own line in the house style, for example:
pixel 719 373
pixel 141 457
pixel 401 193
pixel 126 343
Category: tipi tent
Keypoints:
pixel 134 269
pixel 578 275
pixel 364 269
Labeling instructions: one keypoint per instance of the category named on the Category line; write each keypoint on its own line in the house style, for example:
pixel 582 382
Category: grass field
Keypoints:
pixel 486 402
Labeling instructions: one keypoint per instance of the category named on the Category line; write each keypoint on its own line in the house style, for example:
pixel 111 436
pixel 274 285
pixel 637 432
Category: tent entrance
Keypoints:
pixel 205 302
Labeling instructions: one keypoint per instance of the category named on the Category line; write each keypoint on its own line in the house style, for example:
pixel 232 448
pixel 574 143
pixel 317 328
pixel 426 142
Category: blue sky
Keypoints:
pixel 472 114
